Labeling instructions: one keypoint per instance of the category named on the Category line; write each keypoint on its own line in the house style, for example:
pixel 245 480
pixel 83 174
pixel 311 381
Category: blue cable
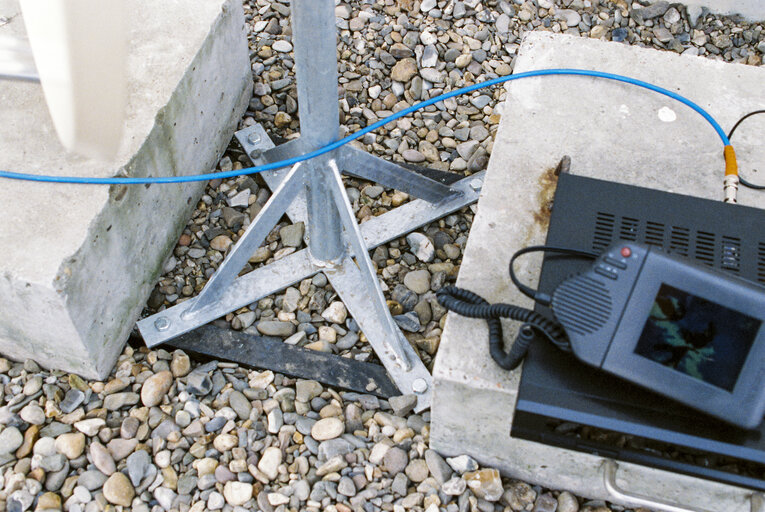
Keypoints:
pixel 330 147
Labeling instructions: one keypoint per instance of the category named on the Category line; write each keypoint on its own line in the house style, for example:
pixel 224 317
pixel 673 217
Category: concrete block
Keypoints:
pixel 77 263
pixel 611 131
pixel 753 10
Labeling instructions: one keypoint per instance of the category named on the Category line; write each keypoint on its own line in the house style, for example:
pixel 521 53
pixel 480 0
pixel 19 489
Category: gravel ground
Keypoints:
pixel 165 432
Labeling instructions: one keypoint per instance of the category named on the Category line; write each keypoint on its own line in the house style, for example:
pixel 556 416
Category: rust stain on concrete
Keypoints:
pixel 548 182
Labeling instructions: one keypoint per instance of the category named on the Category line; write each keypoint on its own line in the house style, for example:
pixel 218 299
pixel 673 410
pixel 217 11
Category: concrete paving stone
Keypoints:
pixel 77 263
pixel 750 9
pixel 611 131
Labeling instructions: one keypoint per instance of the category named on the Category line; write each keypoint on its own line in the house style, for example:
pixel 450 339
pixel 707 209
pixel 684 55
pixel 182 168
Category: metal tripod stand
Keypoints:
pixel 313 192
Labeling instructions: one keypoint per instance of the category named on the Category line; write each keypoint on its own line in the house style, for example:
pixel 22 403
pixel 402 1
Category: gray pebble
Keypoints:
pixel 567 502
pixel 186 484
pixel 10 440
pixel 418 281
pixel 346 487
pixel 403 404
pixel 72 400
pixel 55 479
pixel 164 497
pixel 292 235
pixel 276 328
pixel 207 481
pixel 545 503
pixel 138 464
pixel 198 383
pixel 129 427
pixel 55 429
pixel 480 101
pixel 400 484
pixel 301 490
pixel 304 425
pixel 19 501
pixel 333 447
pixel 347 341
pixel 373 191
pixel 409 322
pixel 437 466
pixel 429 57
pixel 240 404
pixel 215 424
pixel 92 479
pixel 395 460
pixel 404 296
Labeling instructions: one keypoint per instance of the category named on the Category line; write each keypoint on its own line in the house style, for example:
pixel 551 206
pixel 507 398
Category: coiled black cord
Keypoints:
pixel 469 304
pixel 472 305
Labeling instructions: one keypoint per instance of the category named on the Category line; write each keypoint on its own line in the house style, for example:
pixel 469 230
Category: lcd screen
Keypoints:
pixel 697 337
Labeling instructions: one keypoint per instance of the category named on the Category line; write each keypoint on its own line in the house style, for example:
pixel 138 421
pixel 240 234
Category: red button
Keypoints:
pixel 626 252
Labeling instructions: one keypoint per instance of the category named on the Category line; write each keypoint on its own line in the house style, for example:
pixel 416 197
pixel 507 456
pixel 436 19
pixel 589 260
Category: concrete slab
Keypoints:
pixel 77 263
pixel 611 131
pixel 753 10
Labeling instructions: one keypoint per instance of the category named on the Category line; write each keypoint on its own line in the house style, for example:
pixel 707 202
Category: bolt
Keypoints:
pixel 476 184
pixel 419 386
pixel 162 323
pixel 255 154
pixel 253 138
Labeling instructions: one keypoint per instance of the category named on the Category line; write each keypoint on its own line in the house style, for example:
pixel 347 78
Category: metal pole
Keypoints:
pixel 315 41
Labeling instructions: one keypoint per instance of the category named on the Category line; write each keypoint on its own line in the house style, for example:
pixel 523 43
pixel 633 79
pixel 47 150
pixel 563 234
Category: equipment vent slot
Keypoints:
pixel 679 240
pixel 629 229
pixel 604 231
pixel 654 234
pixel 761 262
pixel 705 247
pixel 731 253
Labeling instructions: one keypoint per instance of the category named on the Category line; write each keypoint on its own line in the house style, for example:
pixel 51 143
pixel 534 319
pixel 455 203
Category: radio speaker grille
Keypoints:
pixel 582 304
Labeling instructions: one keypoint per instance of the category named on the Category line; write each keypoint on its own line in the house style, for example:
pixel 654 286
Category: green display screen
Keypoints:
pixel 697 337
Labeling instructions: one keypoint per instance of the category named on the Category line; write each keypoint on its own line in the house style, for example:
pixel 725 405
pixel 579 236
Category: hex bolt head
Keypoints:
pixel 419 386
pixel 162 323
pixel 253 138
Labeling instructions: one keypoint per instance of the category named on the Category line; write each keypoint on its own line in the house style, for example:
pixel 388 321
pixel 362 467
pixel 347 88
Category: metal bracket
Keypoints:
pixel 355 282
pixel 313 192
pixel 609 481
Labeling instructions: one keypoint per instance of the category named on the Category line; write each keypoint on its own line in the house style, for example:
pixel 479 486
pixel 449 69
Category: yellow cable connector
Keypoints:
pixel 731 166
pixel 730 183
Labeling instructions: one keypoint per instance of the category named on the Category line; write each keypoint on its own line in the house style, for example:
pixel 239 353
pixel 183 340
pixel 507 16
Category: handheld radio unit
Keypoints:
pixel 685 331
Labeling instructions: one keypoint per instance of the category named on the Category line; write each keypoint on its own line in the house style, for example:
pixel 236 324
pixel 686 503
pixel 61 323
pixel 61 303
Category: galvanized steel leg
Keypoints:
pixel 369 167
pixel 357 284
pixel 252 239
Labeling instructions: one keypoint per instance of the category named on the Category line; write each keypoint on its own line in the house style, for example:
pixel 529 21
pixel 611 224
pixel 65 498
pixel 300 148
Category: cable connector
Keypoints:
pixel 730 188
pixel 730 183
pixel 731 165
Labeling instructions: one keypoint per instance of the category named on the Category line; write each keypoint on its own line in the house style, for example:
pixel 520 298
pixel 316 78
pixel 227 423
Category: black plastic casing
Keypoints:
pixel 605 308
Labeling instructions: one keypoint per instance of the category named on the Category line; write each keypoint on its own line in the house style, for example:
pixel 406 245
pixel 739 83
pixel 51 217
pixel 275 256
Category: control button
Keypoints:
pixel 606 271
pixel 616 263
pixel 626 252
